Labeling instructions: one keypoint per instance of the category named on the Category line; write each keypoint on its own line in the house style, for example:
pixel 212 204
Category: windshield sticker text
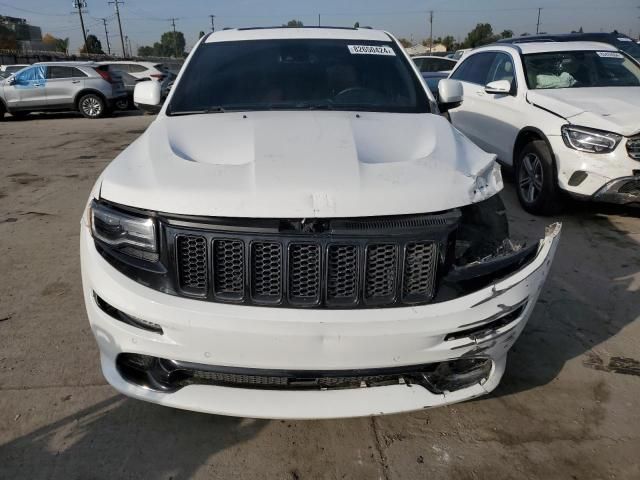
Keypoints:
pixel 371 50
pixel 610 54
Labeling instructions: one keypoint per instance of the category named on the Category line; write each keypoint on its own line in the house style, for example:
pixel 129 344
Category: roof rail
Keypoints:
pixel 309 27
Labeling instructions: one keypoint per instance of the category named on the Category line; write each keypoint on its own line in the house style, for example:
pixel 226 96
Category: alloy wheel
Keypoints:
pixel 91 107
pixel 530 179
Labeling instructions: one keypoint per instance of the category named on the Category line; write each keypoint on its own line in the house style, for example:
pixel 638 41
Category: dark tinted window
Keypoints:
pixel 134 68
pixel 299 74
pixel 59 72
pixel 475 68
pixel 502 68
pixel 435 64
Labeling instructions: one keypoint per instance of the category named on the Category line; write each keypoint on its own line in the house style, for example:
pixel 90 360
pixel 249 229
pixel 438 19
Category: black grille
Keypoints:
pixel 632 187
pixel 228 269
pixel 304 273
pixel 633 147
pixel 192 263
pixel 300 269
pixel 419 271
pixel 342 274
pixel 266 266
pixel 381 274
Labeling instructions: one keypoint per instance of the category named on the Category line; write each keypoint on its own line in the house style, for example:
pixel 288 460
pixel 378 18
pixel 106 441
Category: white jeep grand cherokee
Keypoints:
pixel 300 234
pixel 565 115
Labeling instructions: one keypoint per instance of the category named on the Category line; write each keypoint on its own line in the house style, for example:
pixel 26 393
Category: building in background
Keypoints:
pixel 27 37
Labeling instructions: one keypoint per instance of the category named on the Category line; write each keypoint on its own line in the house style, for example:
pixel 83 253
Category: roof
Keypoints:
pixel 125 62
pixel 301 33
pixel 67 64
pixel 543 47
pixel 563 36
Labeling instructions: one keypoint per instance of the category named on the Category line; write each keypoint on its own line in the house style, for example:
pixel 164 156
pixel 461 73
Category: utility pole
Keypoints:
pixel 126 43
pixel 80 4
pixel 130 49
pixel 319 20
pixel 213 25
pixel 106 34
pixel 175 38
pixel 430 30
pixel 117 4
pixel 538 24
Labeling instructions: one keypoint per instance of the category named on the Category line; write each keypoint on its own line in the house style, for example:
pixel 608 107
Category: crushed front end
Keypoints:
pixel 297 318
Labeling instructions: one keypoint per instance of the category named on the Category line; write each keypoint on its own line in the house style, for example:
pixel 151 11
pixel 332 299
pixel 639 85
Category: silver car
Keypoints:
pixel 85 87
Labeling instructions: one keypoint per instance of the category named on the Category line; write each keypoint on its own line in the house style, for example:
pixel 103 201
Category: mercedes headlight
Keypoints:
pixel 589 140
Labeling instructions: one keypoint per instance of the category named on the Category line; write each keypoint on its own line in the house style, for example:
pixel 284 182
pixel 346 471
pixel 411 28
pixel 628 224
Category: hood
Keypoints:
pixel 614 109
pixel 300 165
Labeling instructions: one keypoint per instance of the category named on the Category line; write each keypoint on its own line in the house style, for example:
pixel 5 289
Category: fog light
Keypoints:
pixel 458 374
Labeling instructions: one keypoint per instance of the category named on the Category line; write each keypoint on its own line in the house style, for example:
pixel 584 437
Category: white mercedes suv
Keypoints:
pixel 565 115
pixel 301 234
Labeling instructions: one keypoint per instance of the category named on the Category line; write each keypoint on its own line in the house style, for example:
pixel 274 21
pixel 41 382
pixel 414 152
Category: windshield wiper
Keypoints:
pixel 212 109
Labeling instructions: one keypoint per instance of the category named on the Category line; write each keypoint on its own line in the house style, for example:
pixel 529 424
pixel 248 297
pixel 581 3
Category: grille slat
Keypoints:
pixel 228 269
pixel 319 271
pixel 192 263
pixel 381 274
pixel 304 273
pixel 266 269
pixel 419 271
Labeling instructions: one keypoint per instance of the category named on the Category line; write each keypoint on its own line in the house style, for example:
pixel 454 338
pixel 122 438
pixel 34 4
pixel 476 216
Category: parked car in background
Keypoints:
pixel 133 72
pixel 57 86
pixel 6 70
pixel 460 53
pixel 429 64
pixel 301 234
pixel 618 40
pixel 433 80
pixel 563 114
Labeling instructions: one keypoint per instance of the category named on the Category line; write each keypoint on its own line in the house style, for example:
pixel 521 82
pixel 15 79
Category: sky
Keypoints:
pixel 143 21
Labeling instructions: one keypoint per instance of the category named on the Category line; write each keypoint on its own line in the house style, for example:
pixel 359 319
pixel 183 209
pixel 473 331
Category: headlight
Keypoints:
pixel 131 235
pixel 588 140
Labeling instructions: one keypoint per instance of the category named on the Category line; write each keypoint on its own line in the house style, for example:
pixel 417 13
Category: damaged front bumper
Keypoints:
pixel 337 363
pixel 622 191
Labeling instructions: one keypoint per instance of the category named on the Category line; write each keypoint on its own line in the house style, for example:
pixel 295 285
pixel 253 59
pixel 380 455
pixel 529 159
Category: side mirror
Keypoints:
pixel 450 94
pixel 499 87
pixel 147 96
pixel 12 80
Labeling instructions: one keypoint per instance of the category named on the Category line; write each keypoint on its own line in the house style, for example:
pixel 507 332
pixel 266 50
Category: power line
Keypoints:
pixel 117 4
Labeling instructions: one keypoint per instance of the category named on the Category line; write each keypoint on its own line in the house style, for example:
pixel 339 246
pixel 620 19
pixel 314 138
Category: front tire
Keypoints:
pixel 536 179
pixel 92 106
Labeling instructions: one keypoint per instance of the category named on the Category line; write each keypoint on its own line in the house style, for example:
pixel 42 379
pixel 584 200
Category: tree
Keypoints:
pixel 145 51
pixel 168 46
pixel 294 24
pixel 356 25
pixel 56 44
pixel 8 38
pixel 201 34
pixel 449 42
pixel 506 34
pixel 405 43
pixel 93 45
pixel 481 35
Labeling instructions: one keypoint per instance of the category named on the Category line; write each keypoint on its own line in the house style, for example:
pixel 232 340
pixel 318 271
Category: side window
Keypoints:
pixel 502 69
pixel 31 75
pixel 475 68
pixel 54 72
pixel 136 68
pixel 418 62
pixel 78 73
pixel 444 65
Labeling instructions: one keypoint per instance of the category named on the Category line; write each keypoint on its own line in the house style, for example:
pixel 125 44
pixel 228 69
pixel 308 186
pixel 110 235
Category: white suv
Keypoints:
pixel 564 115
pixel 301 234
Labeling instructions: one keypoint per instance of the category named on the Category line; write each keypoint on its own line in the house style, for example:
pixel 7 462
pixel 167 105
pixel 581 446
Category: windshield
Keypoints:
pixel 298 74
pixel 580 69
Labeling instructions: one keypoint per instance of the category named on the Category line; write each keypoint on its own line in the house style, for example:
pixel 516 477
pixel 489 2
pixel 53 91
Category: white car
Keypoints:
pixel 432 64
pixel 301 234
pixel 564 115
pixel 6 70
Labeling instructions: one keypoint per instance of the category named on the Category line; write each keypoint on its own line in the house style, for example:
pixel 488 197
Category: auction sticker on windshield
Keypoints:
pixel 610 54
pixel 371 50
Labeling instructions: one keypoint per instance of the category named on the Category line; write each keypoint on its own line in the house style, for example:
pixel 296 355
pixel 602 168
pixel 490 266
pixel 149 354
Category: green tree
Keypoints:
pixel 172 45
pixel 506 34
pixel 405 43
pixel 294 24
pixel 93 45
pixel 449 42
pixel 145 51
pixel 356 25
pixel 201 34
pixel 481 35
pixel 56 44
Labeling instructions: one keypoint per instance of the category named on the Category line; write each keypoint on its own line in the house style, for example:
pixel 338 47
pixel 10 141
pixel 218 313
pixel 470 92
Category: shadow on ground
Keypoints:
pixel 591 295
pixel 121 438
